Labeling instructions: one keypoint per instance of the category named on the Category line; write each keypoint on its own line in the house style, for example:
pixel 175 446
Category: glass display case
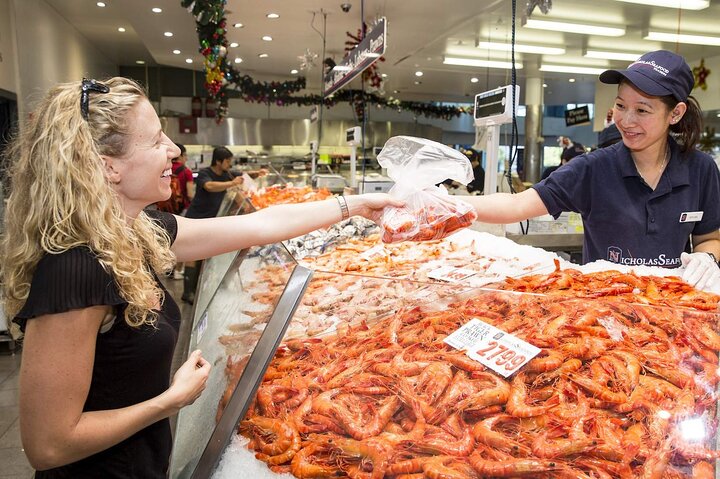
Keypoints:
pixel 382 375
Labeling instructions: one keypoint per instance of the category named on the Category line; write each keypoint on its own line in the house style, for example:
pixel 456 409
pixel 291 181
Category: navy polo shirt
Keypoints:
pixel 626 221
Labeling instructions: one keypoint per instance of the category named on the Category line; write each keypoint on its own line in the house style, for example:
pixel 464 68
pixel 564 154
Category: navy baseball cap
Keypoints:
pixel 659 73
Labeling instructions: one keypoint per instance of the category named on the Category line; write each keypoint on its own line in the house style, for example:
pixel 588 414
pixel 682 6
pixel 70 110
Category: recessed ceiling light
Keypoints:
pixel 272 16
pixel 474 80
pixel 121 29
pixel 238 25
pixel 396 91
pixel 544 85
pixel 571 80
pixel 384 75
pixel 293 72
pixel 238 60
pixel 234 45
pixel 177 52
pixel 168 34
pixel 157 10
pixel 418 73
pixel 263 55
pixel 188 60
pixel 267 38
pixel 140 62
pixel 100 4
pixel 718 115
pixel 417 82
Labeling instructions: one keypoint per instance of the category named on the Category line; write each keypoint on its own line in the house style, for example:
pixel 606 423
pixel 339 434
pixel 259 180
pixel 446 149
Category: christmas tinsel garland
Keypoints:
pixel 221 77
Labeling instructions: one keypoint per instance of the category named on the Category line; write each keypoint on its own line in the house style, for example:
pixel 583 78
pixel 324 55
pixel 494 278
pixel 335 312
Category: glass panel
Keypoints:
pixel 618 389
pixel 226 332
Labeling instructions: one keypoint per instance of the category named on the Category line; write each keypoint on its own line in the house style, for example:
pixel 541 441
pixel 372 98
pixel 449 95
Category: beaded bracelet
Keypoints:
pixel 343 207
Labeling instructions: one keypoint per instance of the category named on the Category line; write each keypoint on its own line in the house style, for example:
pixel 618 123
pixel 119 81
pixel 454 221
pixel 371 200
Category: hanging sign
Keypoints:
pixel 314 113
pixel 362 56
pixel 577 116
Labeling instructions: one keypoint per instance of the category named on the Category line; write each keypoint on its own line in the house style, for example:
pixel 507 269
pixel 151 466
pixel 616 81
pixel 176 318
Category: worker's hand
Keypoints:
pixel 238 180
pixel 371 205
pixel 701 270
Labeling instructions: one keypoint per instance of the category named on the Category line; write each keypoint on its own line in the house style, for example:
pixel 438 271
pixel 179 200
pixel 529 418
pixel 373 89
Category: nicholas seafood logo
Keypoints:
pixel 614 255
pixel 658 68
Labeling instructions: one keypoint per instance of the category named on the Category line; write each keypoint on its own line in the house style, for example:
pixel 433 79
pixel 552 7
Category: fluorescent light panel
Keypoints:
pixel 571 69
pixel 475 62
pixel 505 47
pixel 682 4
pixel 683 38
pixel 569 27
pixel 630 57
pixel 341 68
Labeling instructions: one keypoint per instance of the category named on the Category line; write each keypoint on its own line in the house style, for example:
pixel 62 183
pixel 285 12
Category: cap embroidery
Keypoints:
pixel 658 68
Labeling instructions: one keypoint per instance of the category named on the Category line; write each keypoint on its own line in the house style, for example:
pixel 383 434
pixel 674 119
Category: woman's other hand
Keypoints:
pixel 189 380
pixel 371 205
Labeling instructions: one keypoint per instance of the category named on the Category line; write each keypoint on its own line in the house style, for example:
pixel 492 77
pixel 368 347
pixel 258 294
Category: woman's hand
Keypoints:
pixel 189 380
pixel 371 205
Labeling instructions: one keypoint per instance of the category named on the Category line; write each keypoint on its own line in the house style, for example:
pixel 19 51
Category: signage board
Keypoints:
pixel 577 116
pixel 358 59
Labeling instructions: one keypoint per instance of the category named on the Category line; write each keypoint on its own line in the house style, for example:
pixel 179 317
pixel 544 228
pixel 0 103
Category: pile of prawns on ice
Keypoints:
pixel 624 387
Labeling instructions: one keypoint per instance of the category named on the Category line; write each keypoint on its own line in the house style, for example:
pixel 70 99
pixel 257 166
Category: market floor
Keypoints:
pixel 12 458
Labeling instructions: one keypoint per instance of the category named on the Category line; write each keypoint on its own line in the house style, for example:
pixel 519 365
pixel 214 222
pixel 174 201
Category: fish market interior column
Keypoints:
pixel 533 120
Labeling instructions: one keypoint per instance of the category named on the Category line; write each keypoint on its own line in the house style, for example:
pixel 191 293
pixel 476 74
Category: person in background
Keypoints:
pixel 643 200
pixel 210 187
pixel 547 171
pixel 185 176
pixel 81 259
pixel 571 148
pixel 609 136
pixel 187 189
pixel 478 183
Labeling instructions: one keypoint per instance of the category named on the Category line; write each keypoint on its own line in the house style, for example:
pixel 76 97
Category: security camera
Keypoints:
pixel 345 7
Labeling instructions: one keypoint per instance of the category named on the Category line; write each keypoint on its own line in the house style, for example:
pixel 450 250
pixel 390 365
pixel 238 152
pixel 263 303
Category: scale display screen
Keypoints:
pixel 490 103
pixel 495 107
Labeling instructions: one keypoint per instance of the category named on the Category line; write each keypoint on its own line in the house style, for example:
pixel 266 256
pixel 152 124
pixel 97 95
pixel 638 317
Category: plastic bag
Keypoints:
pixel 417 165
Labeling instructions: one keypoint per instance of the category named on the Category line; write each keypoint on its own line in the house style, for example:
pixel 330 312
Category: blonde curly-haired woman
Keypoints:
pixel 80 276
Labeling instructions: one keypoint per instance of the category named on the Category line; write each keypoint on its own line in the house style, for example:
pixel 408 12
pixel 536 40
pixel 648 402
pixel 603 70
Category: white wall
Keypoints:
pixel 49 51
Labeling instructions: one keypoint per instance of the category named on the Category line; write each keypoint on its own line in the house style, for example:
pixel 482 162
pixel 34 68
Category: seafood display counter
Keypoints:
pixel 559 374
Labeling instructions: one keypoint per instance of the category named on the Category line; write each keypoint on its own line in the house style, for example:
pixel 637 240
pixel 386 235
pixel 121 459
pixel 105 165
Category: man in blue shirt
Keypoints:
pixel 645 200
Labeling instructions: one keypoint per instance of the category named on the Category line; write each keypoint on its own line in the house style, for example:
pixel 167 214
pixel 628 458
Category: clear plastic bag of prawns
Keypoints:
pixel 417 165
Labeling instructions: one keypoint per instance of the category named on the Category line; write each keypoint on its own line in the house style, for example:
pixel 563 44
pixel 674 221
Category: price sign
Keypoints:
pixel 377 250
pixel 496 349
pixel 451 274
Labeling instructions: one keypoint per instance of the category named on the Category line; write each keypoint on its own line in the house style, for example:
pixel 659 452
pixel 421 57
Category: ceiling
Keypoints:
pixel 421 33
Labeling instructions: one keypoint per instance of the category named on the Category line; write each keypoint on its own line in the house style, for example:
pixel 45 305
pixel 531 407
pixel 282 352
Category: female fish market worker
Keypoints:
pixel 642 199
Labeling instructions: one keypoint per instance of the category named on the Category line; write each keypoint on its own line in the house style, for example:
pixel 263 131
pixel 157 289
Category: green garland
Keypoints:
pixel 221 77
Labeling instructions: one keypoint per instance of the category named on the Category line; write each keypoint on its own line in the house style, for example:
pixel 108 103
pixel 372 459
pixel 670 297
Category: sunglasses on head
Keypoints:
pixel 87 86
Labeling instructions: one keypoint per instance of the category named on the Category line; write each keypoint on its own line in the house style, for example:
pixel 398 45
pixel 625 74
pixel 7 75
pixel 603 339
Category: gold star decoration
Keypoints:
pixel 701 73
